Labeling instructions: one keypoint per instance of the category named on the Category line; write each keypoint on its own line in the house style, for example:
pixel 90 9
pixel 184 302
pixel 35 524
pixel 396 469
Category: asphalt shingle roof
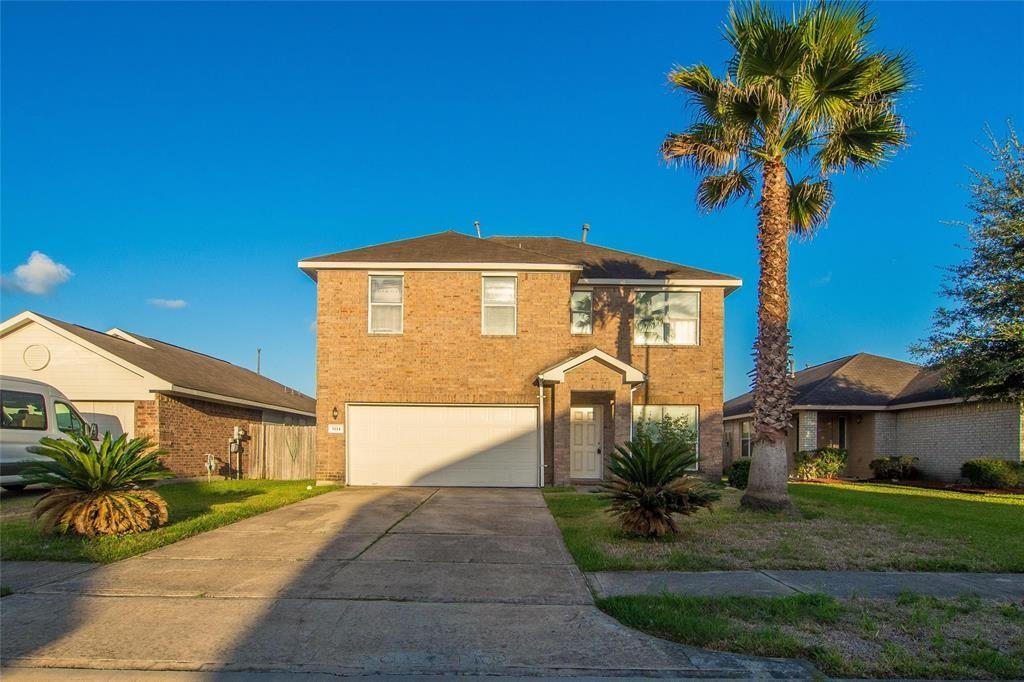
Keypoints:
pixel 861 379
pixel 443 247
pixel 602 262
pixel 189 369
pixel 455 247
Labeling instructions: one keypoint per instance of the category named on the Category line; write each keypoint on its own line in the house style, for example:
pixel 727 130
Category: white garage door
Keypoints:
pixel 442 445
pixel 115 417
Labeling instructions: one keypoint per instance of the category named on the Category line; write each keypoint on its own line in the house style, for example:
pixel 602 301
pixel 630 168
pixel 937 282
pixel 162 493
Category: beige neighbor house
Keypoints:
pixel 875 407
pixel 507 361
pixel 187 403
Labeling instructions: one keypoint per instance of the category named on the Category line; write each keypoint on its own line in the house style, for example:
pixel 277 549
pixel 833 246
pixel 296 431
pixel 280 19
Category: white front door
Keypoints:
pixel 585 437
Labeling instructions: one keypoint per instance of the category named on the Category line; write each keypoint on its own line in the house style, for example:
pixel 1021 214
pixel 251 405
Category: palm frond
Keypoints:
pixel 810 202
pixel 717 191
pixel 703 146
pixel 768 46
pixel 864 137
pixel 703 87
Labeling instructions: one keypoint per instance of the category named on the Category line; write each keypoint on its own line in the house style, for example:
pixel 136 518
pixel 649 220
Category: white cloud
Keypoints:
pixel 312 327
pixel 173 303
pixel 822 281
pixel 38 275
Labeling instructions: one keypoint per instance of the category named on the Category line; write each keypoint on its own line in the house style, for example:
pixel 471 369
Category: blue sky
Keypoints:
pixel 195 152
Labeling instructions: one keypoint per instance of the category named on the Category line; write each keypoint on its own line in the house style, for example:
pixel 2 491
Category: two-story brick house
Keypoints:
pixel 507 361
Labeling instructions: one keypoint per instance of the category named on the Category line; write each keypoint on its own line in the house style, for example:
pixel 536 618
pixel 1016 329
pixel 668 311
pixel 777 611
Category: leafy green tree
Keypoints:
pixel 978 339
pixel 802 91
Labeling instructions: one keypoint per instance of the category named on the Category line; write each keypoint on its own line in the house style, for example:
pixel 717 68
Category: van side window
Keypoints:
pixel 67 419
pixel 23 410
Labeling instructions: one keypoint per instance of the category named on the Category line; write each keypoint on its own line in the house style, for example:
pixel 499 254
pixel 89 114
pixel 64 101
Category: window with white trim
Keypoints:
pixel 386 304
pixel 666 318
pixel 581 310
pixel 646 416
pixel 746 438
pixel 498 315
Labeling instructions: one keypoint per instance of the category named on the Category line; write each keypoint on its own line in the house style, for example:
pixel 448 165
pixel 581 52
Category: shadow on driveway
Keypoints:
pixel 358 581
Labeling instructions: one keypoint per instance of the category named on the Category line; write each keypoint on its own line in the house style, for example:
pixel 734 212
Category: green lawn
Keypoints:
pixel 912 636
pixel 194 507
pixel 862 526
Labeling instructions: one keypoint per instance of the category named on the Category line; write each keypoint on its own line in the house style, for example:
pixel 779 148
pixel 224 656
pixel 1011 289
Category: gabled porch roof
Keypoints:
pixel 556 374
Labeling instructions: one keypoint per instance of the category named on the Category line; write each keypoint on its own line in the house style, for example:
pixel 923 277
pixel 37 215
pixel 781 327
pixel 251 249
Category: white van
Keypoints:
pixel 31 410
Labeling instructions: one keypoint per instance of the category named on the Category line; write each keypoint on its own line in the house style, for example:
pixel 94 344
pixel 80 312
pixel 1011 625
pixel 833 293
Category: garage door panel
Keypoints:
pixel 442 445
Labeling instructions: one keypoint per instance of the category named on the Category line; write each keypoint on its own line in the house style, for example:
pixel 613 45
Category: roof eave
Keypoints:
pixel 311 267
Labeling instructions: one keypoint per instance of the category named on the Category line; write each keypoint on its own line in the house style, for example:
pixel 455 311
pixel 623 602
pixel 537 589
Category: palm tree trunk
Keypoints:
pixel 773 385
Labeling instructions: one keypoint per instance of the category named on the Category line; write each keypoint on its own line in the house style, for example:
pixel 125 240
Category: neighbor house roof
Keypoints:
pixel 857 381
pixel 189 370
pixel 455 250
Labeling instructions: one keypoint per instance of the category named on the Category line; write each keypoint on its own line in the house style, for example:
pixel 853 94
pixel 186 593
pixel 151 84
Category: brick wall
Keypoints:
pixel 442 357
pixel 189 429
pixel 146 424
pixel 946 436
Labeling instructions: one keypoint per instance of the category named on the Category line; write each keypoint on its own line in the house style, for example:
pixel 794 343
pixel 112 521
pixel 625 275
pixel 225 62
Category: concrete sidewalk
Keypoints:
pixel 842 584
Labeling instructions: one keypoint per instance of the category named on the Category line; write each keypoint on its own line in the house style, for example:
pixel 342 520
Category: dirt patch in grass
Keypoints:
pixel 912 636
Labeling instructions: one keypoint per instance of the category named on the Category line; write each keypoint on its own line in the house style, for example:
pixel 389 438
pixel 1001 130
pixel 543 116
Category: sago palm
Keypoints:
pixel 94 489
pixel 802 95
pixel 651 481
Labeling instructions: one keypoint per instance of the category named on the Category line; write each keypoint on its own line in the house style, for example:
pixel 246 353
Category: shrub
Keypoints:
pixel 820 463
pixel 95 490
pixel 650 482
pixel 894 468
pixel 994 473
pixel 738 473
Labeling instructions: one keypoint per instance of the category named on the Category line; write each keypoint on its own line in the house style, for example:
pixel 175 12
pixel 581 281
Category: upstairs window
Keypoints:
pixel 582 311
pixel 666 318
pixel 499 306
pixel 386 304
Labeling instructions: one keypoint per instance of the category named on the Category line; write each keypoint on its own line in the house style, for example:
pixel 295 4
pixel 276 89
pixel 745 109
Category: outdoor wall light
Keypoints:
pixel 334 412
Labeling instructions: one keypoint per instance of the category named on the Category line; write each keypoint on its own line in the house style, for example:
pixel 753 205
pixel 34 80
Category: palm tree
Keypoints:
pixel 804 92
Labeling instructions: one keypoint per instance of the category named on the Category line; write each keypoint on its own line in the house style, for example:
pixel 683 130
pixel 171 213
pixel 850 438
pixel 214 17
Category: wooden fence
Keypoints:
pixel 281 452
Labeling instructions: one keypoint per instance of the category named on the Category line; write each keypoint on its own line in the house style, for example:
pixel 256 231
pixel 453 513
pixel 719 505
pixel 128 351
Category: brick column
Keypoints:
pixel 562 398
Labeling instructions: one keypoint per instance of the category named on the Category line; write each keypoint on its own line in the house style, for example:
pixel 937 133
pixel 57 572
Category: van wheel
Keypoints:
pixel 13 487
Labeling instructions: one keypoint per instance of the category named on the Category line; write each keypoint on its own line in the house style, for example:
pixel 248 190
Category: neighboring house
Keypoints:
pixel 187 403
pixel 507 361
pixel 874 407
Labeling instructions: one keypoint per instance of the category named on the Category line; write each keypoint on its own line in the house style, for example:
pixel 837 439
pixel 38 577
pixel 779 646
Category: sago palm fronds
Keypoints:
pixel 94 488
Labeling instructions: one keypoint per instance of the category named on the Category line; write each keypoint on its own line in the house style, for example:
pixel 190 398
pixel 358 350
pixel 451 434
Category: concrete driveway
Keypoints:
pixel 410 580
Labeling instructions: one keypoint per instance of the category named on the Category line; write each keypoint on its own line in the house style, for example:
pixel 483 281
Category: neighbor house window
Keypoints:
pixel 841 432
pixel 745 438
pixel 582 311
pixel 23 410
pixel 68 420
pixel 386 304
pixel 666 318
pixel 499 306
pixel 652 419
